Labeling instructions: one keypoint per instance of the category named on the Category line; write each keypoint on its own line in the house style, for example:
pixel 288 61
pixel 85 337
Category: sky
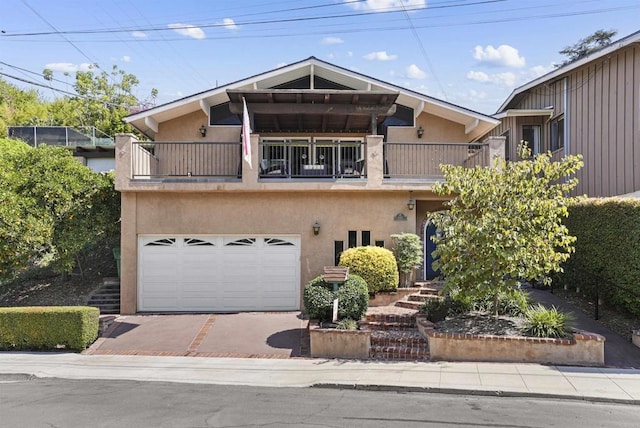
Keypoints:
pixel 471 53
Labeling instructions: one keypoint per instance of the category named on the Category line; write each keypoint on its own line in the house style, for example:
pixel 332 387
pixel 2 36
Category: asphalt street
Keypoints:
pixel 35 402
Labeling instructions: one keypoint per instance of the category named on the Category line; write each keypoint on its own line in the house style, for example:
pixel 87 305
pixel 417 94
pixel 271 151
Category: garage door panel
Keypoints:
pixel 218 273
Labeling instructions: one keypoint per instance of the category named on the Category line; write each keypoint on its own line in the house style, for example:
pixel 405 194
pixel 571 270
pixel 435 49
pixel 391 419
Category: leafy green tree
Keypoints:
pixel 588 45
pixel 504 224
pixel 18 107
pixel 61 205
pixel 407 248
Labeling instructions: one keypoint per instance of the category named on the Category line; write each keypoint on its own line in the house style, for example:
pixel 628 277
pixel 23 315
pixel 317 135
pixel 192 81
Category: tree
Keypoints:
pixel 18 107
pixel 408 252
pixel 587 46
pixel 54 205
pixel 504 224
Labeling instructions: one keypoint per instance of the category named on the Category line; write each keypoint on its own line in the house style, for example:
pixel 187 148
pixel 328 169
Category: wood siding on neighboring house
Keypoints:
pixel 602 120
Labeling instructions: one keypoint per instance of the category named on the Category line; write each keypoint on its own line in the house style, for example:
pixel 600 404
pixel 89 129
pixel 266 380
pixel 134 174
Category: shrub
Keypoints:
pixel 347 324
pixel 513 302
pixel 607 246
pixel 376 265
pixel 48 328
pixel 408 252
pixel 546 322
pixel 435 309
pixel 353 298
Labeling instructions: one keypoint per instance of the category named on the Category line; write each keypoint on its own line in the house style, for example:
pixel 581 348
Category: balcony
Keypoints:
pixel 294 165
pixel 85 137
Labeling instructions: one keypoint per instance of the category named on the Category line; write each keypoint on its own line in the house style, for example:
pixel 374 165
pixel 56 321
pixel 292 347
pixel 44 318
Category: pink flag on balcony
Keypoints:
pixel 246 133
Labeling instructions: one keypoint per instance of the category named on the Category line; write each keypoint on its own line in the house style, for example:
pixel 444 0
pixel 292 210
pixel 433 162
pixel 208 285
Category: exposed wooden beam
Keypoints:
pixel 347 123
pixel 306 108
pixel 355 98
pixel 324 122
pixel 241 92
pixel 152 124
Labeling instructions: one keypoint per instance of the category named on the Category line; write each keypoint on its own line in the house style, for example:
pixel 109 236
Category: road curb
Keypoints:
pixel 475 392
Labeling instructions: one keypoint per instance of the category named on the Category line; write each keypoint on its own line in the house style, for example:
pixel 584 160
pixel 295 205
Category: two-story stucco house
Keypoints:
pixel 589 107
pixel 338 159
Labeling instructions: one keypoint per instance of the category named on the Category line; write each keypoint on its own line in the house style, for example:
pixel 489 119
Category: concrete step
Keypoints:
pixel 115 288
pixel 380 325
pixel 399 353
pixel 111 308
pixel 99 296
pixel 429 291
pixel 423 297
pixel 407 319
pixel 409 304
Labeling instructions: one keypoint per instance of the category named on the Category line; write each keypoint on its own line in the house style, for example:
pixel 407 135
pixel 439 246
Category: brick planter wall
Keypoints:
pixel 386 298
pixel 585 349
pixel 334 343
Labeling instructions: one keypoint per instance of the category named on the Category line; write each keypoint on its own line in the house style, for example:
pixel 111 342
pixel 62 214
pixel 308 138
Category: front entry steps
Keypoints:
pixel 428 291
pixel 395 337
pixel 107 297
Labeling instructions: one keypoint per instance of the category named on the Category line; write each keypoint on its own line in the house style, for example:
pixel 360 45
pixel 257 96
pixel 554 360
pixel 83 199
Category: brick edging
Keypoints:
pixel 582 335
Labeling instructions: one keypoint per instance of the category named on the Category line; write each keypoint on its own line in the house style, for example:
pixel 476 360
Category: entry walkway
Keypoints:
pixel 618 351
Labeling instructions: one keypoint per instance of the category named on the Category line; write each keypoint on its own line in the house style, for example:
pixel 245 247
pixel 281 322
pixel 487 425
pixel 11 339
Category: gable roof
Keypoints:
pixel 612 47
pixel 476 124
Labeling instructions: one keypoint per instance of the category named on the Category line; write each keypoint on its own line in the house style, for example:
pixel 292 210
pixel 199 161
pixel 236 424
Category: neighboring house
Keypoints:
pixel 89 146
pixel 589 107
pixel 339 160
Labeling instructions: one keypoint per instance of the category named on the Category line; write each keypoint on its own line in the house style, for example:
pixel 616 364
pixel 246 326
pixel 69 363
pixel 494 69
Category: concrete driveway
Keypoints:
pixel 250 335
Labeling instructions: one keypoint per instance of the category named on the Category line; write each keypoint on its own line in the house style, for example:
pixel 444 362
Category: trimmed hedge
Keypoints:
pixel 48 327
pixel 608 244
pixel 376 265
pixel 353 299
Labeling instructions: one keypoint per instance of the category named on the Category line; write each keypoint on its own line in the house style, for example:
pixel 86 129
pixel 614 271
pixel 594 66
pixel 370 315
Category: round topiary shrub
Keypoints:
pixel 376 265
pixel 353 298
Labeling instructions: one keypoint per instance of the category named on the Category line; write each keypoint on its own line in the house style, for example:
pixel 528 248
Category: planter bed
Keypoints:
pixel 584 348
pixel 335 343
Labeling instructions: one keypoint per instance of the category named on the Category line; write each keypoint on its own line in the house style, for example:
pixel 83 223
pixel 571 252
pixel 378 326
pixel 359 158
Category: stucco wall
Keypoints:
pixel 436 130
pixel 241 213
pixel 187 128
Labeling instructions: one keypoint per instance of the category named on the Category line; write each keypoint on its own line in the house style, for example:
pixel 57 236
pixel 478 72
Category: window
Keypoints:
pixel 366 238
pixel 402 117
pixel 338 247
pixel 531 135
pixel 379 243
pixel 221 115
pixel 557 133
pixel 353 238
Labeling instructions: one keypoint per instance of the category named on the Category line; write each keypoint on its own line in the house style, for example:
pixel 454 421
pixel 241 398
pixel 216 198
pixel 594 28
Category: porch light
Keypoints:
pixel 203 130
pixel 412 202
pixel 420 131
pixel 316 227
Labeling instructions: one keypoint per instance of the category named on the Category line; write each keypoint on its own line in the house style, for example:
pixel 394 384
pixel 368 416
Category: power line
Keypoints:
pixel 246 23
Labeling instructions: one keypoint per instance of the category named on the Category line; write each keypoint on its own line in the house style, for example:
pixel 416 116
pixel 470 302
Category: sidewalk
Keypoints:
pixel 529 380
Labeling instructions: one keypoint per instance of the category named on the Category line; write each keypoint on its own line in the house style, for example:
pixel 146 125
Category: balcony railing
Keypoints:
pixel 313 160
pixel 423 160
pixel 68 136
pixel 165 160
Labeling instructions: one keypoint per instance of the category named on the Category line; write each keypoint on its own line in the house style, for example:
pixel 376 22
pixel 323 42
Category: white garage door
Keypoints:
pixel 218 273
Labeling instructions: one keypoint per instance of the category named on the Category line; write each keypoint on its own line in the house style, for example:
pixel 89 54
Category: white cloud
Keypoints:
pixel 508 78
pixel 228 23
pixel 414 72
pixel 188 30
pixel 380 56
pixel 503 55
pixel 125 58
pixel 68 67
pixel 540 70
pixel 349 54
pixel 382 5
pixel 139 34
pixel 331 41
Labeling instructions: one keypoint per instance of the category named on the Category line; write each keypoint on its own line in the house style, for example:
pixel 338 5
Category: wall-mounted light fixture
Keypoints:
pixel 420 131
pixel 412 202
pixel 316 227
pixel 203 131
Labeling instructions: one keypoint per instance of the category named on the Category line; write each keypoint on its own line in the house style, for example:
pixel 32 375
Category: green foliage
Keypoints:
pixel 347 324
pixel 607 250
pixel 19 107
pixel 587 46
pixel 546 322
pixel 48 328
pixel 511 302
pixel 407 250
pixel 353 299
pixel 376 265
pixel 50 203
pixel 435 309
pixel 505 223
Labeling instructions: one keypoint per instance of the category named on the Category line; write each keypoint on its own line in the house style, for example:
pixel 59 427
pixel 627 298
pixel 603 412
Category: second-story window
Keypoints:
pixel 531 136
pixel 557 133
